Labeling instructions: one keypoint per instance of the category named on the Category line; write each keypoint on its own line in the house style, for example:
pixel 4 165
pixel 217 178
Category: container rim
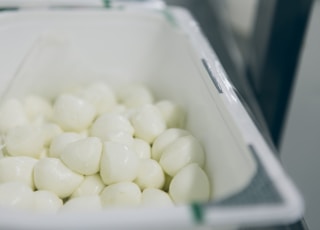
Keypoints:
pixel 291 207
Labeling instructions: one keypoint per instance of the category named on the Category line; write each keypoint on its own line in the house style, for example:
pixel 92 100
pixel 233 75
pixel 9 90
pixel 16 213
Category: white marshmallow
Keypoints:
pixel 150 174
pixel 164 140
pixel 25 140
pixel 83 156
pixel 173 114
pixel 112 127
pixel 46 202
pixel 36 106
pixel 52 175
pixel 191 184
pixel 50 131
pixel 100 95
pixel 73 113
pixel 12 114
pixel 155 197
pixel 121 194
pixel 17 169
pixel 142 148
pixel 135 95
pixel 16 195
pixel 118 163
pixel 91 185
pixel 82 204
pixel 61 141
pixel 183 151
pixel 148 123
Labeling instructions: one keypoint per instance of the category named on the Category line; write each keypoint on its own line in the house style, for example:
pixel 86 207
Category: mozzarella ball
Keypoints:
pixel 12 114
pixel 50 131
pixel 121 194
pixel 142 148
pixel 46 202
pixel 173 114
pixel 135 95
pixel 17 169
pixel 119 163
pixel 183 151
pixel 164 140
pixel 91 185
pixel 72 113
pixel 83 156
pixel 191 184
pixel 100 95
pixel 150 174
pixel 112 127
pixel 36 106
pixel 52 175
pixel 156 198
pixel 25 140
pixel 148 123
pixel 61 141
pixel 16 195
pixel 82 204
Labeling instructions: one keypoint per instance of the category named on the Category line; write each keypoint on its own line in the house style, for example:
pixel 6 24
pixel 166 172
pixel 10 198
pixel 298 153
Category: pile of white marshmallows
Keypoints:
pixel 94 148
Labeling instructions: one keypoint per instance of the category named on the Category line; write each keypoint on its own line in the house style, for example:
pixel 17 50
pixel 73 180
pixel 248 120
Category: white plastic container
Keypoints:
pixel 45 51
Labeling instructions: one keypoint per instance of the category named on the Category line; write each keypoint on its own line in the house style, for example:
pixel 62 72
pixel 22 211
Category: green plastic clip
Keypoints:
pixel 197 213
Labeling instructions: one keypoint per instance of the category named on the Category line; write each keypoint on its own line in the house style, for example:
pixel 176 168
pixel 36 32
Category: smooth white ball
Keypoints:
pixel 17 169
pixel 142 148
pixel 52 175
pixel 91 185
pixel 36 106
pixel 83 156
pixel 59 142
pixel 156 198
pixel 173 114
pixel 100 95
pixel 50 131
pixel 191 184
pixel 164 140
pixel 12 114
pixel 113 127
pixel 135 95
pixel 16 195
pixel 25 140
pixel 148 123
pixel 121 194
pixel 150 174
pixel 46 202
pixel 119 163
pixel 72 113
pixel 183 151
